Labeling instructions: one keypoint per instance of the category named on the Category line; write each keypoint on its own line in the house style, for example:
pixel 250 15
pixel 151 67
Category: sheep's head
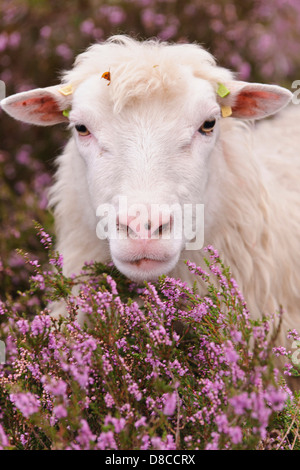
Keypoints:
pixel 145 119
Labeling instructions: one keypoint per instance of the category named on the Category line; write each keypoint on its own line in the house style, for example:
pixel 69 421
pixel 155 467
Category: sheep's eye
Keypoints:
pixel 207 127
pixel 82 130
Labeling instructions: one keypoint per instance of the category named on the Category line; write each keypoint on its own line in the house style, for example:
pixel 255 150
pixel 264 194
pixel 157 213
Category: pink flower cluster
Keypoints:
pixel 173 371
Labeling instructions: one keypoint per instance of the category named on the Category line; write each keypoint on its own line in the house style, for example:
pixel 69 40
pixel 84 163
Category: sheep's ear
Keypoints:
pixel 255 100
pixel 42 106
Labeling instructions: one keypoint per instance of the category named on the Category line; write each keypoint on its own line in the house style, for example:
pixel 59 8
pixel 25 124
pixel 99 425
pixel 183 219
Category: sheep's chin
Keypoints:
pixel 145 269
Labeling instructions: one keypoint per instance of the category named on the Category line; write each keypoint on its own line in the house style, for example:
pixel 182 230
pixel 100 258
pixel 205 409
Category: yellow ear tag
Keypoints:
pixel 222 90
pixel 66 90
pixel 226 111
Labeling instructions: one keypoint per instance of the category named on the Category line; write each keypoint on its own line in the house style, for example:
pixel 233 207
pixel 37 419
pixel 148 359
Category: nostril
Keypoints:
pixel 147 225
pixel 122 227
pixel 126 230
pixel 164 228
pixel 161 229
pixel 153 228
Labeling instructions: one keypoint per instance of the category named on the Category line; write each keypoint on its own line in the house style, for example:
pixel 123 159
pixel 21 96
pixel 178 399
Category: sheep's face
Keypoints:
pixel 146 170
pixel 145 136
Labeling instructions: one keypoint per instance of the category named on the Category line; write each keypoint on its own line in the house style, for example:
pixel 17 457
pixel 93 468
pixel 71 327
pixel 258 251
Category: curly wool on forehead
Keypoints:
pixel 138 69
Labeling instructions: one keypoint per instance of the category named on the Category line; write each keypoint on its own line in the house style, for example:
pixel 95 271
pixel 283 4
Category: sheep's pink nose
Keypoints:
pixel 145 227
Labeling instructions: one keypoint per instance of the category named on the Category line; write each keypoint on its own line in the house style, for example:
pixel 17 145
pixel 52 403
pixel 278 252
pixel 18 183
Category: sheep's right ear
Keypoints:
pixel 254 100
pixel 42 106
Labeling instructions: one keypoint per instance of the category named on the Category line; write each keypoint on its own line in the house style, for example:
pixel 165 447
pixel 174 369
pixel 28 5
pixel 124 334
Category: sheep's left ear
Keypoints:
pixel 255 100
pixel 42 106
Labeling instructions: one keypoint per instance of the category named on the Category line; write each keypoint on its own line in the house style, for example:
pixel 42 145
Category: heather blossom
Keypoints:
pixel 118 424
pixel 56 387
pixel 109 400
pixel 159 444
pixel 141 422
pixel 3 439
pixel 60 411
pixel 106 441
pixel 240 403
pixel 2 308
pixel 40 324
pixel 23 325
pixel 106 382
pixel 85 436
pixel 27 403
pixel 170 404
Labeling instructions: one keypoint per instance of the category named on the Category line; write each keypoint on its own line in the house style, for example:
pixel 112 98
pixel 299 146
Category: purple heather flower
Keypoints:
pixel 235 434
pixel 3 438
pixel 294 334
pixel 276 398
pixel 39 279
pixel 118 424
pixel 64 51
pixel 60 411
pixel 159 444
pixel 2 308
pixel 23 326
pixel 106 440
pixel 46 32
pixel 109 400
pixel 222 423
pixel 57 261
pixel 56 387
pixel 39 324
pixel 170 404
pixel 27 403
pixel 141 422
pixel 145 442
pixel 240 403
pixel 87 27
pixel 85 436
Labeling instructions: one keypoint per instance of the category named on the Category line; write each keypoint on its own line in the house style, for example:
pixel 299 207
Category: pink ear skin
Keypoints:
pixel 42 106
pixel 255 100
pixel 46 107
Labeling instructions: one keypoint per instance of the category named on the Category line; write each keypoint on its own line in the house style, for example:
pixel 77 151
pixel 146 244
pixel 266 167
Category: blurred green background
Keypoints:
pixel 258 39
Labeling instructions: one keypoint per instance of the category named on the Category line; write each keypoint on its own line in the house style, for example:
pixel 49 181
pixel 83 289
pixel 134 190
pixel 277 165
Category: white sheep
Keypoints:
pixel 147 126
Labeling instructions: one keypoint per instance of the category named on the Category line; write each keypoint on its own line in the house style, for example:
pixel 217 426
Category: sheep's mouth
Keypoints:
pixel 146 262
pixel 145 268
pixel 145 259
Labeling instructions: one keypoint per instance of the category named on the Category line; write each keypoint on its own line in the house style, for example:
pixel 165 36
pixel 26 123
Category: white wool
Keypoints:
pixel 248 179
pixel 254 172
pixel 138 67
